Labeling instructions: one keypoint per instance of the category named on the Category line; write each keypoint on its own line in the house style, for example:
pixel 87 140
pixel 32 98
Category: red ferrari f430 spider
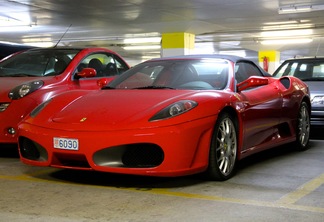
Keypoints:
pixel 170 117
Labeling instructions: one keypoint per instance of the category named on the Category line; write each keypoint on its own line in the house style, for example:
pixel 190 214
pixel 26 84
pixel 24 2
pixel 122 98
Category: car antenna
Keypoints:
pixel 62 36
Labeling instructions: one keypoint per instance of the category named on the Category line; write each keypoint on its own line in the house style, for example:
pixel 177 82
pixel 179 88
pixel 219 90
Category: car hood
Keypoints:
pixel 119 109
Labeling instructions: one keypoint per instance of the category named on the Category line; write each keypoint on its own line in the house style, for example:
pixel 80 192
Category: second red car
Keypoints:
pixel 31 77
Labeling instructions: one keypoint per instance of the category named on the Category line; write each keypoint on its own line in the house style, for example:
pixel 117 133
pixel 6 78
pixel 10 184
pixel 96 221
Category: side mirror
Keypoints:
pixel 87 73
pixel 104 81
pixel 253 81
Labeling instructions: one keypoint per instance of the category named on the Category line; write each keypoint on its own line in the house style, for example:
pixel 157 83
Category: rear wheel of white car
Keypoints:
pixel 223 149
pixel 303 127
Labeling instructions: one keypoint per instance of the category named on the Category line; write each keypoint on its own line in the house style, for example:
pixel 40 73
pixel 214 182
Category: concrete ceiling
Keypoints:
pixel 218 25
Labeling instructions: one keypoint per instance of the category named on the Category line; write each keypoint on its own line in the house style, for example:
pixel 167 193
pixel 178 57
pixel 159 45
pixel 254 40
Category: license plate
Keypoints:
pixel 66 143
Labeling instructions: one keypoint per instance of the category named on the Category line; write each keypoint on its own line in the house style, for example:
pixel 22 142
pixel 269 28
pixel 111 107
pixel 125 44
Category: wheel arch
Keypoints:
pixel 309 104
pixel 238 124
pixel 230 110
pixel 213 171
pixel 302 130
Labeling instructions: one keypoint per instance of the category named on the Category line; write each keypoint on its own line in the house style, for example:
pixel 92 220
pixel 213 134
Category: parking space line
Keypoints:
pixel 239 201
pixel 302 191
pixel 287 202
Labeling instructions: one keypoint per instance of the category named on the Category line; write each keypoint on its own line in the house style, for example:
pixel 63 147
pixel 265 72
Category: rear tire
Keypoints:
pixel 223 149
pixel 303 127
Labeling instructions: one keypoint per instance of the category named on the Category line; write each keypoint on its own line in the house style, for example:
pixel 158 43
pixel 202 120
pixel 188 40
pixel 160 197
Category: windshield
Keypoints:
pixel 175 74
pixel 40 62
pixel 311 70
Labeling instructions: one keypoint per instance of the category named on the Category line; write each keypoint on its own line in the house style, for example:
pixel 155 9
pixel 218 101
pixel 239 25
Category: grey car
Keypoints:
pixel 311 71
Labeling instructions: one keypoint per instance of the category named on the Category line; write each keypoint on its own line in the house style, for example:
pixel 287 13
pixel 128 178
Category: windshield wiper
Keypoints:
pixel 19 75
pixel 154 87
pixel 108 87
pixel 143 87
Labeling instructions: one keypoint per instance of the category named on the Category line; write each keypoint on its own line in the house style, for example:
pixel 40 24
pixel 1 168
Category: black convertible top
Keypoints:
pixel 232 58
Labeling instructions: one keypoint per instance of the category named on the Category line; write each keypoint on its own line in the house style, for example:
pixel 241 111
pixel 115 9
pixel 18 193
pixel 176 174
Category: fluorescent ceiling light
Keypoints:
pixel 142 47
pixel 299 21
pixel 204 48
pixel 142 40
pixel 41 44
pixel 299 8
pixel 15 28
pixel 297 32
pixel 240 53
pixel 288 26
pixel 144 58
pixel 294 9
pixel 229 43
pixel 11 21
pixel 281 22
pixel 285 41
pixel 10 43
pixel 38 42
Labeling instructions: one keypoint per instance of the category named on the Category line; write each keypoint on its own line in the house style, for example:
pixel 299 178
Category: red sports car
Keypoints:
pixel 170 117
pixel 29 78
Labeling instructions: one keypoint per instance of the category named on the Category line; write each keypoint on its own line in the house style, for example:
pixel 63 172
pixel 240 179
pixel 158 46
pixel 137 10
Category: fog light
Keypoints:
pixel 11 131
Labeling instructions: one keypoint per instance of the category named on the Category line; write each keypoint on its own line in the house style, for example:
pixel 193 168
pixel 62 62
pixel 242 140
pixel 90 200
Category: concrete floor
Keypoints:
pixel 276 185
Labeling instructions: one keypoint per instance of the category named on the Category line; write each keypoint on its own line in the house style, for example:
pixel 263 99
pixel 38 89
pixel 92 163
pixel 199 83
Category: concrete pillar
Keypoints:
pixel 179 43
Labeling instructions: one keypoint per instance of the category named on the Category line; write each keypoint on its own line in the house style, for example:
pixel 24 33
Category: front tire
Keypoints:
pixel 303 127
pixel 223 149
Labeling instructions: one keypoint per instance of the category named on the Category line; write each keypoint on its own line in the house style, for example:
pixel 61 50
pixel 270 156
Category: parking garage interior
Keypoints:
pixel 275 185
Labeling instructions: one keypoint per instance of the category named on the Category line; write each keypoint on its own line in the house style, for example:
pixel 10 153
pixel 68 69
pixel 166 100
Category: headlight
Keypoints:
pixel 318 101
pixel 39 108
pixel 175 109
pixel 25 89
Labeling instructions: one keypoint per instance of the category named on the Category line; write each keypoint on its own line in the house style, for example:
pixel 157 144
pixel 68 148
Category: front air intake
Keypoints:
pixel 31 150
pixel 138 155
pixel 142 155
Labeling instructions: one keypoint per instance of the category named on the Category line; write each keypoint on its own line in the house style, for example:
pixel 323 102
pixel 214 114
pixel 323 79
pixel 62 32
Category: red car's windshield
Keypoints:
pixel 40 62
pixel 180 74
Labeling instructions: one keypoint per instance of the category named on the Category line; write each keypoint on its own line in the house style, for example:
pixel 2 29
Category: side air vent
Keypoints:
pixel 285 82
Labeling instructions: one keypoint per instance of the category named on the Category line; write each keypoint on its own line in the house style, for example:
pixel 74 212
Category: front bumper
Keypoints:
pixel 161 151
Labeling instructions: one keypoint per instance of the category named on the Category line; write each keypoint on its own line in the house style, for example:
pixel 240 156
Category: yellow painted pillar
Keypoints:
pixel 179 43
pixel 269 60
